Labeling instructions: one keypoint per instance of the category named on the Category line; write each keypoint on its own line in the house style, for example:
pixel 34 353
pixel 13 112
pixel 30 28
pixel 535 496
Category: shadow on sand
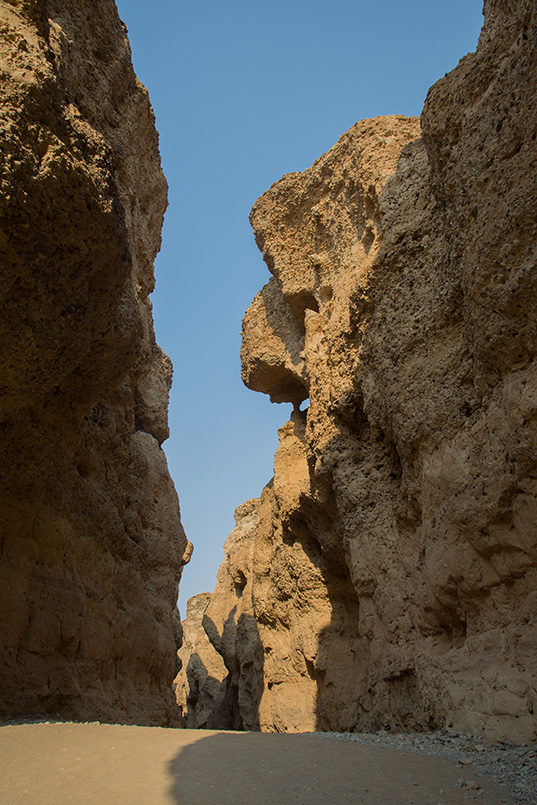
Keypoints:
pixel 282 769
pixel 258 768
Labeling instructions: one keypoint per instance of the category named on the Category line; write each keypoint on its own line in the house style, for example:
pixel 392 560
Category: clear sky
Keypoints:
pixel 243 93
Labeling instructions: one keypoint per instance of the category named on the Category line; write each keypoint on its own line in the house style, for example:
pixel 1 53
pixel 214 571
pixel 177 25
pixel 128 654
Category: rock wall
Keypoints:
pixel 394 580
pixel 221 679
pixel 200 681
pixel 91 542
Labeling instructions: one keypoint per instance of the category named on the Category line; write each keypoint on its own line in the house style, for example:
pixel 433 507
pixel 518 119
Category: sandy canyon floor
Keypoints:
pixel 98 763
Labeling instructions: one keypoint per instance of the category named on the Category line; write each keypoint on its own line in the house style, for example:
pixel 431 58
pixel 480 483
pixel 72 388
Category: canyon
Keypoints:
pixel 91 542
pixel 386 578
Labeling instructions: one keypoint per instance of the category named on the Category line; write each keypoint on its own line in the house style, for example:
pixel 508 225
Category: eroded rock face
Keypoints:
pixel 91 542
pixel 394 562
pixel 221 679
pixel 199 683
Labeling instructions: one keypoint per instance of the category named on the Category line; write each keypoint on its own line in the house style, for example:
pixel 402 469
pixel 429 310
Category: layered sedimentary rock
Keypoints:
pixel 91 542
pixel 394 580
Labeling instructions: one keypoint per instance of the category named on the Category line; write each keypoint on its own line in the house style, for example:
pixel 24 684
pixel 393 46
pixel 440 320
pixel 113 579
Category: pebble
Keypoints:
pixel 513 766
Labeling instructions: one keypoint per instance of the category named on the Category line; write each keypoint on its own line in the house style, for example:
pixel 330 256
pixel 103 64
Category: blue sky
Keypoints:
pixel 243 93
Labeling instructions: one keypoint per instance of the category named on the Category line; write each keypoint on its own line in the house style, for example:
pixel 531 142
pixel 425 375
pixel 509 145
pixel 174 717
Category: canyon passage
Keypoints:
pixel 385 579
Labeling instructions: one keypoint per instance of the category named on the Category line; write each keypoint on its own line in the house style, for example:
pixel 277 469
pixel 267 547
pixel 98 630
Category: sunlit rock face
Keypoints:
pixel 91 542
pixel 199 685
pixel 221 679
pixel 394 562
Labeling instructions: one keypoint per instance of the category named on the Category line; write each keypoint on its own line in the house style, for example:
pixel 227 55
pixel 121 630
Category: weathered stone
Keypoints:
pixel 394 568
pixel 90 535
pixel 200 681
pixel 215 694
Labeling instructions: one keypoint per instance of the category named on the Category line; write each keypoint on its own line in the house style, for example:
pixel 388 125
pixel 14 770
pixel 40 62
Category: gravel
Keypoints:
pixel 504 762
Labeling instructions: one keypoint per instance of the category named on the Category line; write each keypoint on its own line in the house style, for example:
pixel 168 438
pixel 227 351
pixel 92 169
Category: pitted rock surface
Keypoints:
pixel 395 557
pixel 91 541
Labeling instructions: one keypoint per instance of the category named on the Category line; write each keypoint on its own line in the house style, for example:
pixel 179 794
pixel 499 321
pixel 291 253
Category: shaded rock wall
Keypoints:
pixel 91 542
pixel 200 681
pixel 221 679
pixel 395 557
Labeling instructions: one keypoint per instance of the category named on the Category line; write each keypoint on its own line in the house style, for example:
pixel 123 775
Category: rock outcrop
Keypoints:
pixel 221 679
pixel 91 543
pixel 394 580
pixel 199 683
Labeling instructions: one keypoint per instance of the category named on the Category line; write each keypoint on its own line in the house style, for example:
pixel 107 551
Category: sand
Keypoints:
pixel 99 763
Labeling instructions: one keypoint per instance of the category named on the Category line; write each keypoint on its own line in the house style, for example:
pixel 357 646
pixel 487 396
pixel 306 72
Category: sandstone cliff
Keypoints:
pixel 200 681
pixel 221 679
pixel 393 577
pixel 91 542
